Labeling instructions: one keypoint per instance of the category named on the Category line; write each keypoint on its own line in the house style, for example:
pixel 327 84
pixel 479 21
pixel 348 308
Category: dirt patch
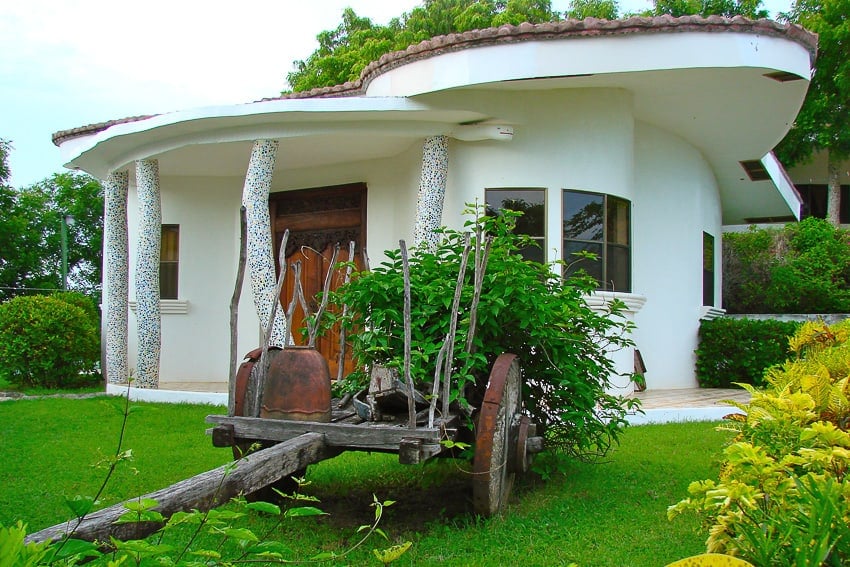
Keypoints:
pixel 413 511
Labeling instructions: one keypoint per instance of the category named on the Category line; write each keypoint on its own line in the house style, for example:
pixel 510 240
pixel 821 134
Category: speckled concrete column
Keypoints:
pixel 432 191
pixel 147 274
pixel 255 197
pixel 116 282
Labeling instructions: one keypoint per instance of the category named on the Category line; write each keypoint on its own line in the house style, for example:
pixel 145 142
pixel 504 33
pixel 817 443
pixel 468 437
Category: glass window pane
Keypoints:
pixel 618 221
pixel 592 267
pixel 168 280
pixel 583 216
pixel 170 243
pixel 617 276
pixel 534 253
pixel 530 202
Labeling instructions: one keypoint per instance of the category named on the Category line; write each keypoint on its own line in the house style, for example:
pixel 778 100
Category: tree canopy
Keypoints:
pixel 728 8
pixel 30 232
pixel 346 50
pixel 823 124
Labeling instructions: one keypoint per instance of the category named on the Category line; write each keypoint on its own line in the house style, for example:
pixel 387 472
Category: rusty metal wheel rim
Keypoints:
pixel 493 471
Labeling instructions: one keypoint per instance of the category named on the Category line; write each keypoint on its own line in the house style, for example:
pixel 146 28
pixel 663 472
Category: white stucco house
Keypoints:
pixel 636 139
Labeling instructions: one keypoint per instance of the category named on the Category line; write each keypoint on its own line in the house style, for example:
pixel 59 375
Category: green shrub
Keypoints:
pixel 783 496
pixel 47 341
pixel 81 300
pixel 802 268
pixel 740 350
pixel 524 309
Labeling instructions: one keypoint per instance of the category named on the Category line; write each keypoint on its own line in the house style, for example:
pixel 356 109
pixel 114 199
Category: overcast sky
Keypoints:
pixel 68 63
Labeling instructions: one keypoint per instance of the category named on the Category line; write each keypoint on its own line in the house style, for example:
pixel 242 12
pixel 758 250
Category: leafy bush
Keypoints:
pixel 48 341
pixel 734 351
pixel 524 308
pixel 803 268
pixel 783 496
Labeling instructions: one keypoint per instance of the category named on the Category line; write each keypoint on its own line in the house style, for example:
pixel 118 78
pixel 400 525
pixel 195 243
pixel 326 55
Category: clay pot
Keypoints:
pixel 297 386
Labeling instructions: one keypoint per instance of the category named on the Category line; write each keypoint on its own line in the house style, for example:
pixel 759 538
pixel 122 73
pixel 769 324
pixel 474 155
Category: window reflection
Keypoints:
pixel 598 224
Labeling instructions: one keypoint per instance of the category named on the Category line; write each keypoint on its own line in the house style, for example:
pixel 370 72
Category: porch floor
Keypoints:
pixel 650 399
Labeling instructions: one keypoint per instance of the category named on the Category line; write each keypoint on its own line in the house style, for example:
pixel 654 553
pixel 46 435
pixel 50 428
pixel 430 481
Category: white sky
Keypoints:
pixel 68 63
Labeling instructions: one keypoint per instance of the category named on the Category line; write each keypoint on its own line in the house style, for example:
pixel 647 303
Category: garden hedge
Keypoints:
pixel 49 341
pixel 740 350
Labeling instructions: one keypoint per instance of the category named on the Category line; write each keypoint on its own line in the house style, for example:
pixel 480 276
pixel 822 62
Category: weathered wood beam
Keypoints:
pixel 201 492
pixel 370 436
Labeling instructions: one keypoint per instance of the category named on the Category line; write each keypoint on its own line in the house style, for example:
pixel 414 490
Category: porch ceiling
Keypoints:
pixel 217 141
pixel 729 114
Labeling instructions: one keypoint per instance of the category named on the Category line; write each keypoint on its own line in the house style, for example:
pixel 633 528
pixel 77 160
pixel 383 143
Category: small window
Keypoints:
pixel 599 224
pixel 168 261
pixel 707 269
pixel 532 204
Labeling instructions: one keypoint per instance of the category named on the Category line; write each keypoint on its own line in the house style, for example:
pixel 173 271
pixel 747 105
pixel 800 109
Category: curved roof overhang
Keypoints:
pixel 216 141
pixel 732 95
pixel 730 88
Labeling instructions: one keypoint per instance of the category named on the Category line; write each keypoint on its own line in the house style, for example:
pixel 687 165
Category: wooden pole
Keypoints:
pixel 264 356
pixel 411 404
pixel 341 361
pixel 234 311
pixel 201 492
pixel 450 349
pixel 314 327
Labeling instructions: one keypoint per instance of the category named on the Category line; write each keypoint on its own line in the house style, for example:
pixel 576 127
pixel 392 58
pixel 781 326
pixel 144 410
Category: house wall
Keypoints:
pixel 196 344
pixel 676 199
pixel 583 139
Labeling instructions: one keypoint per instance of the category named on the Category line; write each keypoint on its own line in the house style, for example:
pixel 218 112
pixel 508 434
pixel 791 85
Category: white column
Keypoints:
pixel 432 191
pixel 116 276
pixel 255 197
pixel 147 274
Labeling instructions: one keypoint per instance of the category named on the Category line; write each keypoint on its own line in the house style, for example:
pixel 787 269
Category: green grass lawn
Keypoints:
pixel 608 513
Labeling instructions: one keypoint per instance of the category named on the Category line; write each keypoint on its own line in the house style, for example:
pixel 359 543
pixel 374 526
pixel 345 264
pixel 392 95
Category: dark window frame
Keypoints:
pixel 169 269
pixel 709 263
pixel 606 246
pixel 536 254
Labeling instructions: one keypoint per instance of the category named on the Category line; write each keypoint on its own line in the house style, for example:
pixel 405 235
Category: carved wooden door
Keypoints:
pixel 318 220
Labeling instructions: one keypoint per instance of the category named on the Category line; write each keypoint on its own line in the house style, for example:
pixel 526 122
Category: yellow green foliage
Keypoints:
pixel 710 560
pixel 783 495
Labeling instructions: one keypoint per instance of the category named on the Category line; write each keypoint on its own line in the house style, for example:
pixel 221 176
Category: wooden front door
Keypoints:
pixel 318 220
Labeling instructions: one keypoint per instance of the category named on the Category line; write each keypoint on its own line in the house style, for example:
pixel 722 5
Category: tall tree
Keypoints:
pixel 344 51
pixel 30 232
pixel 823 124
pixel 602 9
pixel 728 8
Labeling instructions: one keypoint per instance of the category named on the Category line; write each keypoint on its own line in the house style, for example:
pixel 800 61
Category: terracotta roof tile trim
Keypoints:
pixel 566 29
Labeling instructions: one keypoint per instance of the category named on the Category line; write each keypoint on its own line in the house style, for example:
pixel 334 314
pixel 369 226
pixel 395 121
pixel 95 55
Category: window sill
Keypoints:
pixel 168 306
pixel 707 313
pixel 598 300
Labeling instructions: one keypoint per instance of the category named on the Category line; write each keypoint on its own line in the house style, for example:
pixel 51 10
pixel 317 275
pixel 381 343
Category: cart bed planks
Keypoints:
pixel 364 436
pixel 202 492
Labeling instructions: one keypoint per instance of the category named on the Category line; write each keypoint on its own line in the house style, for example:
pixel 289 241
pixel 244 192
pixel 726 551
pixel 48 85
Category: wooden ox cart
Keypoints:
pixel 503 438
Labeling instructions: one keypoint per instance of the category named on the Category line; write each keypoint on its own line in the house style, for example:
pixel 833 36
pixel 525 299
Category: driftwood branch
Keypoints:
pixel 290 310
pixel 435 388
pixel 314 327
pixel 264 357
pixel 234 311
pixel 201 492
pixel 411 404
pixel 450 349
pixel 341 363
pixel 480 268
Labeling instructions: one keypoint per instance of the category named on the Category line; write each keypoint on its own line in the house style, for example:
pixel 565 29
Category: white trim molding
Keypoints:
pixel 168 306
pixel 707 313
pixel 599 299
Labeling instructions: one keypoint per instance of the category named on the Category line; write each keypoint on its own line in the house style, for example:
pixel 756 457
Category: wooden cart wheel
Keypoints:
pixel 496 437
